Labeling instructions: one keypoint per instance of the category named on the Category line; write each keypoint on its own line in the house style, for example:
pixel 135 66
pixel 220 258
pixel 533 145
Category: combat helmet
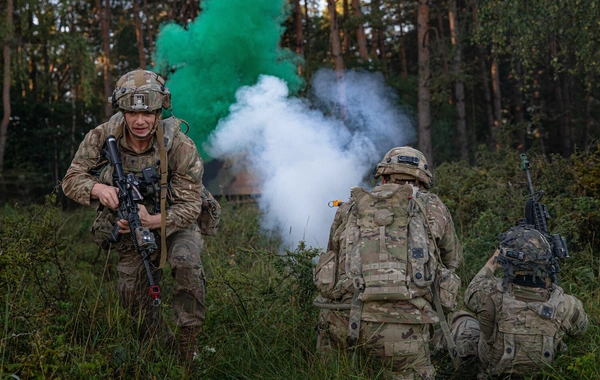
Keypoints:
pixel 405 163
pixel 526 251
pixel 140 90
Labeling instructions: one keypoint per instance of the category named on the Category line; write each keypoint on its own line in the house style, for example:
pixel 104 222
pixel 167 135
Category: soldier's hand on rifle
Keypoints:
pixel 492 262
pixel 107 195
pixel 148 220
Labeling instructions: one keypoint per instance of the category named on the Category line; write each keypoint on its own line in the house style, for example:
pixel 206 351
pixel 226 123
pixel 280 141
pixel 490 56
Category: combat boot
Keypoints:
pixel 188 343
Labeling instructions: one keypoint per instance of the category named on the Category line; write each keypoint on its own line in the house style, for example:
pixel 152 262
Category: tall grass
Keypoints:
pixel 61 317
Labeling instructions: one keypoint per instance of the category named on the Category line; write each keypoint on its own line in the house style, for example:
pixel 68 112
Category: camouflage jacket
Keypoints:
pixel 417 310
pixel 527 323
pixel 185 170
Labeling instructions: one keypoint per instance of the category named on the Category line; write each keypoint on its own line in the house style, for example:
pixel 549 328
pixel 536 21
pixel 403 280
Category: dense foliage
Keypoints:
pixel 62 319
pixel 65 56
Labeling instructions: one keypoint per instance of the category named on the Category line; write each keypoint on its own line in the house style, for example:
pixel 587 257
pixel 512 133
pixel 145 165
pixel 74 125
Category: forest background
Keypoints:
pixel 480 81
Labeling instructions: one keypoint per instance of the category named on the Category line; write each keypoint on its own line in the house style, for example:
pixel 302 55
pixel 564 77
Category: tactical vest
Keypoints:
pixel 388 245
pixel 134 163
pixel 529 329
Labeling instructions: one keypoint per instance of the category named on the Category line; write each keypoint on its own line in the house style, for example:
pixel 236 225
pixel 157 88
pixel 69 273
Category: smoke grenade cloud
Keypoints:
pixel 303 158
pixel 229 45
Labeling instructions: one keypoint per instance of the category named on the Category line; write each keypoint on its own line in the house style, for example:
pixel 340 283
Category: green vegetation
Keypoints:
pixel 62 318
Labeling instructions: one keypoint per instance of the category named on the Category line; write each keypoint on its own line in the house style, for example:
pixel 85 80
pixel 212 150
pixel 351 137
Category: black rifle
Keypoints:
pixel 537 215
pixel 129 194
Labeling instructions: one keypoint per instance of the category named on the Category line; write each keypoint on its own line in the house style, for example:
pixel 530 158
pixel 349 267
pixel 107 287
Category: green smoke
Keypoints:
pixel 229 45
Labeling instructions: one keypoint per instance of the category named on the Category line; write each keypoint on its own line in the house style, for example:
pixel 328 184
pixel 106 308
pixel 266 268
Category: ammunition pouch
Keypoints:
pixel 211 214
pixel 448 284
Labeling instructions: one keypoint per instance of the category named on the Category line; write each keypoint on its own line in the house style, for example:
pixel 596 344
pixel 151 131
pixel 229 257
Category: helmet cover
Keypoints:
pixel 525 250
pixel 140 90
pixel 405 163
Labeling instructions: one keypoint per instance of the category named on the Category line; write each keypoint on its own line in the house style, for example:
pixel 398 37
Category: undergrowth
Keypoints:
pixel 61 317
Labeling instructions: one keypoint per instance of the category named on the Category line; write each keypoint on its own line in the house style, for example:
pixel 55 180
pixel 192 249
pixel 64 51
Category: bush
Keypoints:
pixel 62 317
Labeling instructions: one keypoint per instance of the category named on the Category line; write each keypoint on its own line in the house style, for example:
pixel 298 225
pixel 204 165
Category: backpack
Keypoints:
pixel 390 255
pixel 529 330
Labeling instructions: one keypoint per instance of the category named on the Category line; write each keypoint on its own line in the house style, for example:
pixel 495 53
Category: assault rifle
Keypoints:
pixel 537 215
pixel 129 194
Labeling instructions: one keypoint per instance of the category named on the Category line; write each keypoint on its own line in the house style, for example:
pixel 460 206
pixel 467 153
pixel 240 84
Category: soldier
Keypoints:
pixel 147 142
pixel 521 317
pixel 389 252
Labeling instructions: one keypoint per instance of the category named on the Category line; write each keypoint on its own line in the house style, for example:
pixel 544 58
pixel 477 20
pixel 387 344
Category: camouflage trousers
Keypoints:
pixel 465 332
pixel 402 349
pixel 183 256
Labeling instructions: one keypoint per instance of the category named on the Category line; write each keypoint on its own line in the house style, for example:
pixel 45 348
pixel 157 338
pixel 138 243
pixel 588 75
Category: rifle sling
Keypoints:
pixel 445 328
pixel 163 194
pixel 452 350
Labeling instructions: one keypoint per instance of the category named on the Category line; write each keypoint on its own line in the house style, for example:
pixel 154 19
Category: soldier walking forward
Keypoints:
pixel 161 157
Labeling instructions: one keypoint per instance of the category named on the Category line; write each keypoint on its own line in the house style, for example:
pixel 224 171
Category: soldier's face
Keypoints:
pixel 140 124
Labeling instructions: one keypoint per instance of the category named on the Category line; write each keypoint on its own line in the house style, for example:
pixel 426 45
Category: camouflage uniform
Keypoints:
pixel 518 328
pixel 510 322
pixel 394 332
pixel 184 241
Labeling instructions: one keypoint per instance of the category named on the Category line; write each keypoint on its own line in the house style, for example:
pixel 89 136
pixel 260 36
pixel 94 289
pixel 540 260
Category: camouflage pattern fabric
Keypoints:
pixel 402 349
pixel 184 242
pixel 521 327
pixel 417 314
pixel 140 90
pixel 338 285
pixel 405 163
pixel 525 250
pixel 185 167
pixel 396 263
pixel 184 247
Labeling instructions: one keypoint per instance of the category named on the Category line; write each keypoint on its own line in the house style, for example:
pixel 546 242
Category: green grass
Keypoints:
pixel 61 317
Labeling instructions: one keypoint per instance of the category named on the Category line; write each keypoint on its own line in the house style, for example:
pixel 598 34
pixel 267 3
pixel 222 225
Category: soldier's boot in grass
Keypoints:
pixel 188 343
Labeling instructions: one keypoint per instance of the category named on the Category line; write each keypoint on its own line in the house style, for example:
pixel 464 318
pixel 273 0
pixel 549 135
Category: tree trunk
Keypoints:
pixel 139 34
pixel 334 37
pixel 184 11
pixel 519 111
pixel 6 81
pixel 459 87
pixel 424 114
pixel 104 17
pixel 567 120
pixel 336 51
pixel 299 32
pixel 308 27
pixel 361 38
pixel 442 41
pixel 345 16
pixel 494 71
pixel 375 29
pixel 150 31
pixel 589 120
pixel 403 59
pixel 485 82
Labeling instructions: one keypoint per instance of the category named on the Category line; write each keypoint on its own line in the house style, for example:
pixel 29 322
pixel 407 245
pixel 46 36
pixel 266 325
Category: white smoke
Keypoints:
pixel 303 158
